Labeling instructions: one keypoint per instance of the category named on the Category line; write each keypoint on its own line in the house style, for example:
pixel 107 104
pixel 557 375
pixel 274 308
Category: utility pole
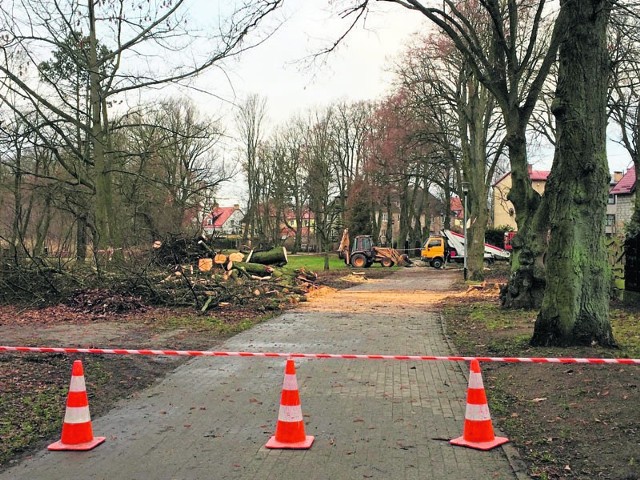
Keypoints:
pixel 465 192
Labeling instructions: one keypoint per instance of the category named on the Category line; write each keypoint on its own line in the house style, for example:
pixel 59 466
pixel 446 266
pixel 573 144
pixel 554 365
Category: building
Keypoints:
pixel 224 221
pixel 457 215
pixel 504 215
pixel 621 201
pixel 307 230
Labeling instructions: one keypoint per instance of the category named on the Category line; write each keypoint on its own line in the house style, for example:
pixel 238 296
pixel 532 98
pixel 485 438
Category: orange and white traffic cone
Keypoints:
pixel 77 433
pixel 290 427
pixel 478 430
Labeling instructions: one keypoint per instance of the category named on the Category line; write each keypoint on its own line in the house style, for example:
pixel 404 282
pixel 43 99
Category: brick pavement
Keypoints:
pixel 372 419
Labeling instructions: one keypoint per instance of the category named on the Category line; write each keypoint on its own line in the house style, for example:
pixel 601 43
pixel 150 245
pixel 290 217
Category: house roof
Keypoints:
pixel 286 232
pixel 221 215
pixel 306 215
pixel 534 175
pixel 626 184
pixel 540 175
pixel 456 204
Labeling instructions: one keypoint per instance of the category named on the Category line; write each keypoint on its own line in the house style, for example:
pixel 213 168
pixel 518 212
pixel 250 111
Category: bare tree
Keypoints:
pixel 442 87
pixel 292 177
pixel 320 183
pixel 116 47
pixel 349 127
pixel 514 68
pixel 624 91
pixel 250 120
pixel 166 169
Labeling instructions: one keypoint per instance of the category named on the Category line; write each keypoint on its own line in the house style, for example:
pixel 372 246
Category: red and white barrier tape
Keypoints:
pixel 207 353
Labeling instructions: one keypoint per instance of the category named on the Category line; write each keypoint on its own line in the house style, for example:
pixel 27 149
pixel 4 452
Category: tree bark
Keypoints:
pixel 575 306
pixel 527 281
pixel 275 256
pixel 253 268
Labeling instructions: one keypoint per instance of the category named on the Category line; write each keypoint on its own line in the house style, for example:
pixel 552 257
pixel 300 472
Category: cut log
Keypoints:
pixel 220 259
pixel 236 257
pixel 253 268
pixel 205 264
pixel 275 256
pixel 206 304
pixel 305 280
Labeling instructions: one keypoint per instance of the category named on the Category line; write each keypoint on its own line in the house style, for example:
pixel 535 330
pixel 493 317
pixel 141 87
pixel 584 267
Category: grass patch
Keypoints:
pixel 626 330
pixel 33 418
pixel 313 262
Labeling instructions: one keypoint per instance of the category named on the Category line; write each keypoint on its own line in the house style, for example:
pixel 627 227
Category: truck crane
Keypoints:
pixel 450 246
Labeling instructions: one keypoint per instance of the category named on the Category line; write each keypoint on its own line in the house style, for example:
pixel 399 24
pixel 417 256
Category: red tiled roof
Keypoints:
pixel 222 214
pixel 540 175
pixel 456 204
pixel 290 232
pixel 626 184
pixel 306 215
pixel 534 175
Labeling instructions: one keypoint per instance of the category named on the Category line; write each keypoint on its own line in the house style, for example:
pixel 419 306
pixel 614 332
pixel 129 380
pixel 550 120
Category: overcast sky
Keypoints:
pixel 281 69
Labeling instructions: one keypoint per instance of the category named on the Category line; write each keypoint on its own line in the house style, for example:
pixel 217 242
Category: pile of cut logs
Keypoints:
pixel 257 264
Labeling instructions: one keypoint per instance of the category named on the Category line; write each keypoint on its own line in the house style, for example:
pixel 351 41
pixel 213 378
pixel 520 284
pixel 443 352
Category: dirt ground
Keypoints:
pixel 567 421
pixel 33 387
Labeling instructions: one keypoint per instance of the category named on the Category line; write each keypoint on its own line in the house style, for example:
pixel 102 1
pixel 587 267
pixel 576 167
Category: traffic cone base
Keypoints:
pixel 496 442
pixel 58 446
pixel 77 432
pixel 478 430
pixel 303 445
pixel 290 427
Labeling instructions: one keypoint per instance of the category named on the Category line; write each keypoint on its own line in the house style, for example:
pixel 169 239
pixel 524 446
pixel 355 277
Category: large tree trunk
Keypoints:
pixel 525 288
pixel 102 173
pixel 476 232
pixel 575 307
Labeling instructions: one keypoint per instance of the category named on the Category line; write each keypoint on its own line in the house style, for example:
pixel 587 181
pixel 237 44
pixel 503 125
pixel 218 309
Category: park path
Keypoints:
pixel 378 419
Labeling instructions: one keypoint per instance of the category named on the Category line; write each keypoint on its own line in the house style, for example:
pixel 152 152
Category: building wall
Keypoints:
pixel 503 210
pixel 624 210
pixel 611 225
pixel 233 223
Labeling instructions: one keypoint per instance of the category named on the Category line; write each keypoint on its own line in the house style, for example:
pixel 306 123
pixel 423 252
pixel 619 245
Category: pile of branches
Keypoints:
pixel 177 249
pixel 100 301
pixel 161 280
pixel 34 283
pixel 204 291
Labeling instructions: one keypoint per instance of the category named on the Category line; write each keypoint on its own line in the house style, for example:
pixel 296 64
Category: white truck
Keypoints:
pixel 450 246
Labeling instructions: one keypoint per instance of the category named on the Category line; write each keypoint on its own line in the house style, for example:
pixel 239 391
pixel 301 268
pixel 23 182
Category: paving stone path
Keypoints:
pixel 373 419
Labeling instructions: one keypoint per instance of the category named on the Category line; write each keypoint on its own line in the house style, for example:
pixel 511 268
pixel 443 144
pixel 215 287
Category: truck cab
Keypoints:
pixel 435 251
pixel 450 246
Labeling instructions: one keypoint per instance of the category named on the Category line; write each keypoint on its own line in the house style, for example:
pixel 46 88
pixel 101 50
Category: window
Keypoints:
pixel 611 220
pixel 384 217
pixel 209 221
pixel 434 243
pixel 611 200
